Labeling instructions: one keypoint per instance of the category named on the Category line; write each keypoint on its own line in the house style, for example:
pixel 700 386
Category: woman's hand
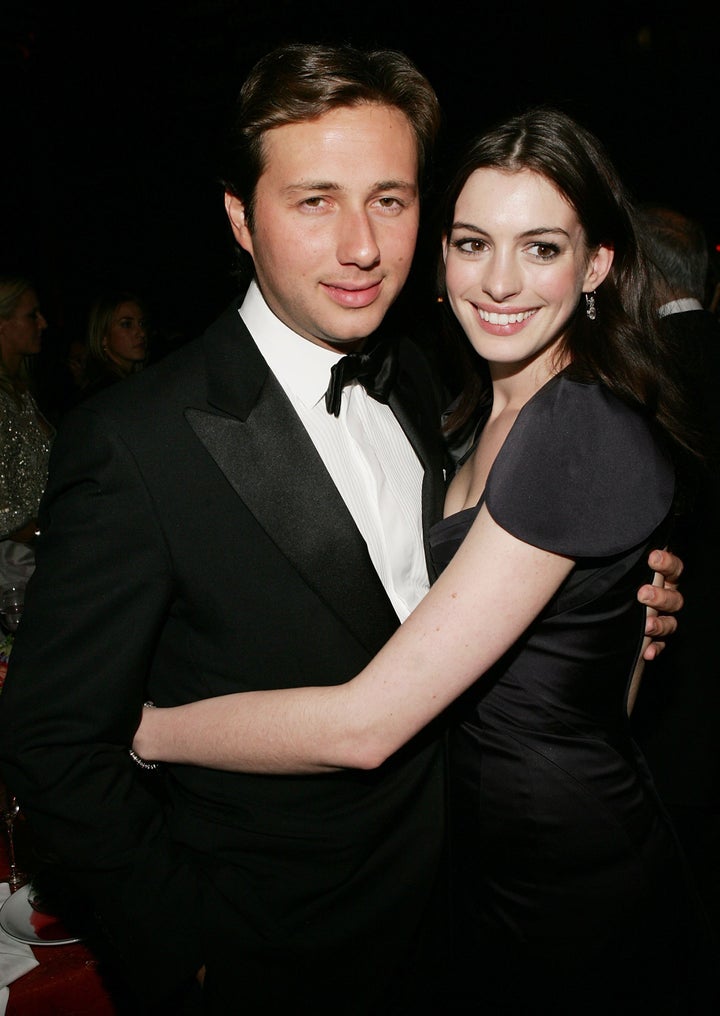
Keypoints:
pixel 663 600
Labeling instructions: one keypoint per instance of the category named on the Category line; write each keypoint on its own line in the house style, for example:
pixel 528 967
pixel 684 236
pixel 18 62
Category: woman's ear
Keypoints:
pixel 235 210
pixel 598 267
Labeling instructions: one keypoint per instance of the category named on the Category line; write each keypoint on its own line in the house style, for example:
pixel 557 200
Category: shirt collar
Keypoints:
pixel 679 306
pixel 301 366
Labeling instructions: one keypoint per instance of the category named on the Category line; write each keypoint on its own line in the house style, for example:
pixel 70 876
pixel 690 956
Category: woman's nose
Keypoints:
pixel 502 279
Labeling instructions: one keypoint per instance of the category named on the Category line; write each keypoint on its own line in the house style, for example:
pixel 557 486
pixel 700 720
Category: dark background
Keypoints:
pixel 111 116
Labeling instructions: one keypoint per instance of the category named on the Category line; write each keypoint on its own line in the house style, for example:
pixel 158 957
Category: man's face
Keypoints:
pixel 335 221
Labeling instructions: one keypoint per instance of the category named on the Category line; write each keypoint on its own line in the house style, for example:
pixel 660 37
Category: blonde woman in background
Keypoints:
pixel 25 434
pixel 117 340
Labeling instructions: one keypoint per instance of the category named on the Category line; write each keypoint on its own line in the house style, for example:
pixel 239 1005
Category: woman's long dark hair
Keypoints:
pixel 623 347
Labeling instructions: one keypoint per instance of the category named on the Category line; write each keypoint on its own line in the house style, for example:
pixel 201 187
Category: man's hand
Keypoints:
pixel 662 599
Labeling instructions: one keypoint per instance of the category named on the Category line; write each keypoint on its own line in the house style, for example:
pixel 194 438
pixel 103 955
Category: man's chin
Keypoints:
pixel 353 330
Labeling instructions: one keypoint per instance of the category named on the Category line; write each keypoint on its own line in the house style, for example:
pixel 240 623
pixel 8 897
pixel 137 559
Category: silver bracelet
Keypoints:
pixel 143 762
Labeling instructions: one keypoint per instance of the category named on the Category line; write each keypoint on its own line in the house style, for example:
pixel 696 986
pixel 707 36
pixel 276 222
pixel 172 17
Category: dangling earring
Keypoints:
pixel 590 308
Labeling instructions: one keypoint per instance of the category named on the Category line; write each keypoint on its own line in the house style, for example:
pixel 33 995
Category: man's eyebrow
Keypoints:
pixel 303 185
pixel 330 185
pixel 396 185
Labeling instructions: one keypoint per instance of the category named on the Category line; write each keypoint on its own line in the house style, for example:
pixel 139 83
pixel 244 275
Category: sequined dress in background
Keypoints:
pixel 24 454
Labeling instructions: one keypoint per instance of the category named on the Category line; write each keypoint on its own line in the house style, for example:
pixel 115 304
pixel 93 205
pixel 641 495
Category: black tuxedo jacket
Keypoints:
pixel 193 544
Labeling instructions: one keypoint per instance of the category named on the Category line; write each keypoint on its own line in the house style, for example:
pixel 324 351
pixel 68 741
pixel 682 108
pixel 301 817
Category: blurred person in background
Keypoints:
pixel 678 711
pixel 25 433
pixel 60 374
pixel 117 340
pixel 76 361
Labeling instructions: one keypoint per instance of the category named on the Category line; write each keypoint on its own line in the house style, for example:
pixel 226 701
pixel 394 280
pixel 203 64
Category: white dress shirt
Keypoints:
pixel 365 450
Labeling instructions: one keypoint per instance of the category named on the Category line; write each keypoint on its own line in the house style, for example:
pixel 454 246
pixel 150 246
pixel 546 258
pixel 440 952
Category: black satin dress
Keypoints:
pixel 569 891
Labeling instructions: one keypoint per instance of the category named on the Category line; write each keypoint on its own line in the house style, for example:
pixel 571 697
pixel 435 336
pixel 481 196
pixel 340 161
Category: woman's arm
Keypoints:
pixel 484 600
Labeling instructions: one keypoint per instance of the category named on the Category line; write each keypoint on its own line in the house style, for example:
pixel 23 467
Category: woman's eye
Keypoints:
pixel 469 245
pixel 544 251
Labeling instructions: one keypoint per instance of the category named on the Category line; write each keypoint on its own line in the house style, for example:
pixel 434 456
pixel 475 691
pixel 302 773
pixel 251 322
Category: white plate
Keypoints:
pixel 20 921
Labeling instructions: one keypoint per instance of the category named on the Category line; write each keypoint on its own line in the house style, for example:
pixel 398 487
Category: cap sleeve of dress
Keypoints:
pixel 580 473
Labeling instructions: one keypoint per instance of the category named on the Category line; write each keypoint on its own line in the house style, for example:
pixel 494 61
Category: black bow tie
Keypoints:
pixel 375 370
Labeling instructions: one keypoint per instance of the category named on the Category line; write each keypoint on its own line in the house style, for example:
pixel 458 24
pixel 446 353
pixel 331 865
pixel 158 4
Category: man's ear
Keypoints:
pixel 598 267
pixel 235 209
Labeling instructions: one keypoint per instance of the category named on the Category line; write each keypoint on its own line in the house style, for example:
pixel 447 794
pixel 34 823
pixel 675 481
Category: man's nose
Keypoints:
pixel 357 242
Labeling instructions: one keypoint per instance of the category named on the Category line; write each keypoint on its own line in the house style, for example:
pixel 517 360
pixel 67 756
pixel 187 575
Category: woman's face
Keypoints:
pixel 21 334
pixel 517 263
pixel 126 341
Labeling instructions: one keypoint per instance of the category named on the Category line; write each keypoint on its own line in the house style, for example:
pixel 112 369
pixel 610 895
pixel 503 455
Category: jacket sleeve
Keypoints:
pixel 73 696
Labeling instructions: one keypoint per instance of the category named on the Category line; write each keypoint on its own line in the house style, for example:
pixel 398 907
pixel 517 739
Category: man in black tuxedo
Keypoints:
pixel 678 711
pixel 218 524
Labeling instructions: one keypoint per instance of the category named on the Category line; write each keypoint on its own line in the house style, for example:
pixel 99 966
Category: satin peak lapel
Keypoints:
pixel 274 467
